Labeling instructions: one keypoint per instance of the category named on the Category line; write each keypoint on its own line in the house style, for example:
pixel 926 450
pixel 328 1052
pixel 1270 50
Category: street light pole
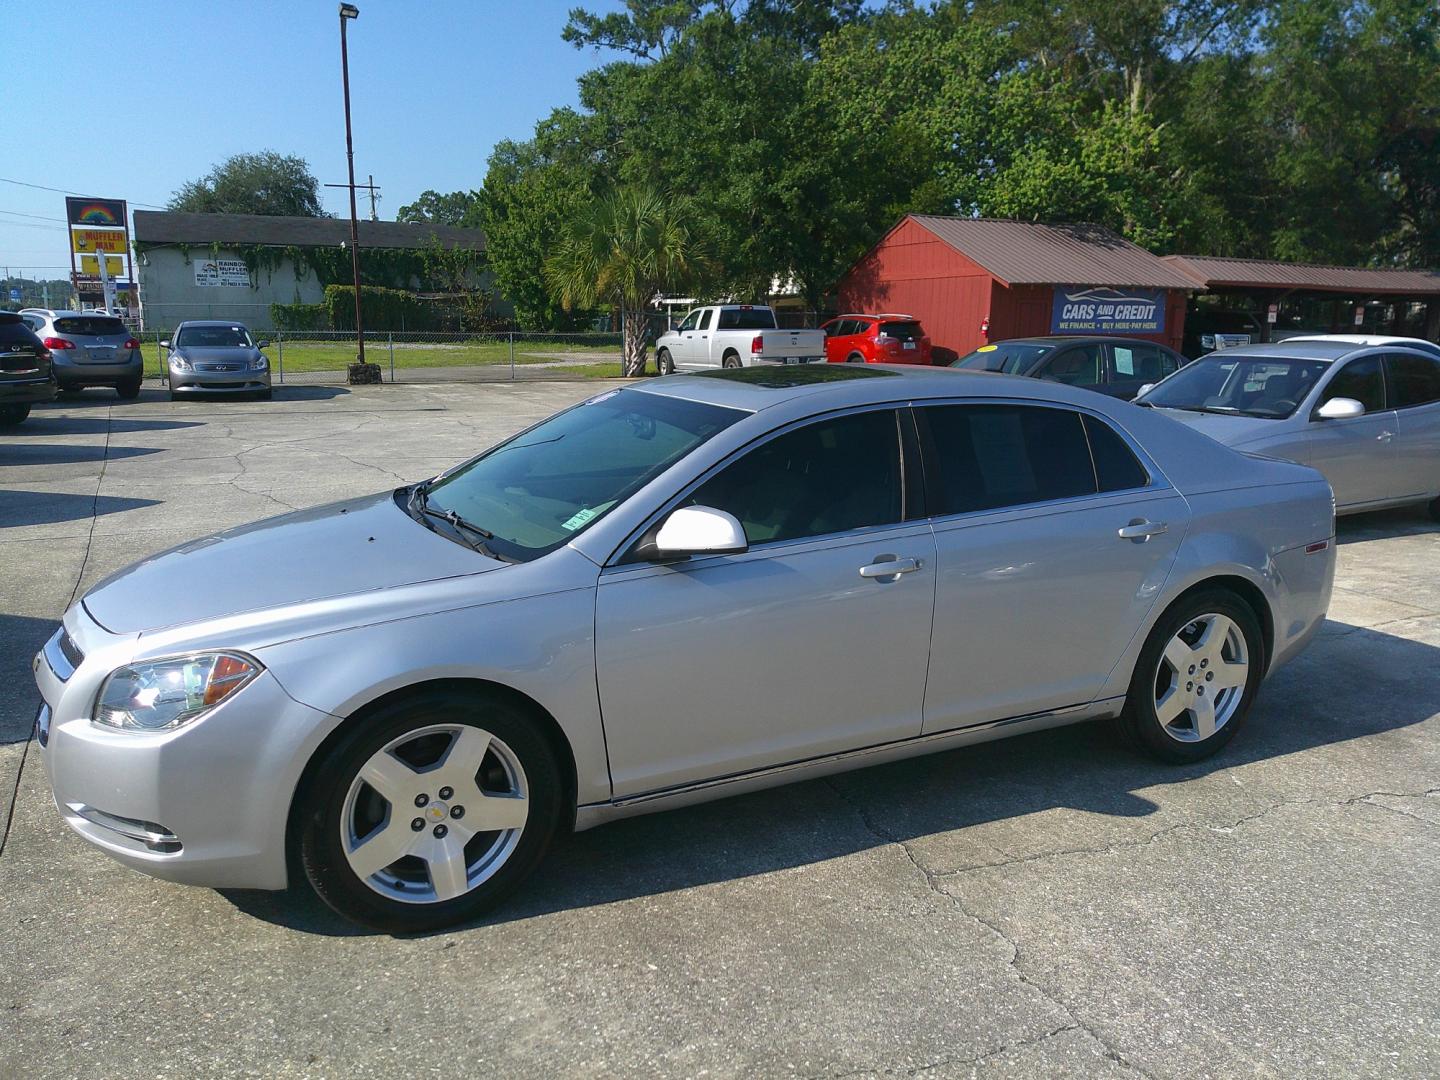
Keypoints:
pixel 348 12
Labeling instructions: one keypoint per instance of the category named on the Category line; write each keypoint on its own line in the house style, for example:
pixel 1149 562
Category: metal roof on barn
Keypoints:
pixel 179 227
pixel 1032 253
pixel 1210 271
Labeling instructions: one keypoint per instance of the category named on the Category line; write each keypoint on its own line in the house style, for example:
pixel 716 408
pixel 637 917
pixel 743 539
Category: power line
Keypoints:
pixel 37 217
pixel 78 194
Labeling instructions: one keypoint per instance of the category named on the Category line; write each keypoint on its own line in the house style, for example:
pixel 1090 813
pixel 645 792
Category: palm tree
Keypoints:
pixel 625 248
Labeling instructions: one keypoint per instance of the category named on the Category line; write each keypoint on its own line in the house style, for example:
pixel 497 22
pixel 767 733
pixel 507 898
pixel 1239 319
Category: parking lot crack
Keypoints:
pixel 950 1062
pixel 1013 964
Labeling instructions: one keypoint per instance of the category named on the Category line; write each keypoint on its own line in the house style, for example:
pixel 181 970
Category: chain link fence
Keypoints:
pixel 322 356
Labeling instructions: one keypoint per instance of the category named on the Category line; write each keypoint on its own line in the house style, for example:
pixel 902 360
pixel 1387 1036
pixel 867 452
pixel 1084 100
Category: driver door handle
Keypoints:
pixel 1141 530
pixel 1385 436
pixel 890 568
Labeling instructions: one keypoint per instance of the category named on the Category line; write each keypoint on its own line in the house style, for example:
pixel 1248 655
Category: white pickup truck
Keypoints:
pixel 732 336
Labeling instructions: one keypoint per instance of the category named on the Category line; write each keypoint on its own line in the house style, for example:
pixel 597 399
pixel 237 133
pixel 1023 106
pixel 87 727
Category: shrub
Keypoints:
pixel 300 316
pixel 382 309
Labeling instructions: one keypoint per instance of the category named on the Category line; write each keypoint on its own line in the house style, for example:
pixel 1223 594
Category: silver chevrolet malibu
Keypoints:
pixel 676 591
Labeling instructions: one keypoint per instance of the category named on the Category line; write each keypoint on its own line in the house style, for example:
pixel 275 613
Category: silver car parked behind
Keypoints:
pixel 89 349
pixel 672 592
pixel 1367 417
pixel 216 357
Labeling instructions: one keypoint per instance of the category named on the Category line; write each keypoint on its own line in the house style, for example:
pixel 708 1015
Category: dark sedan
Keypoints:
pixel 1117 366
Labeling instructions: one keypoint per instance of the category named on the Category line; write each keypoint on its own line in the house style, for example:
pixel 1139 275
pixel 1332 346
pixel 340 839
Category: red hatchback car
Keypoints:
pixel 876 339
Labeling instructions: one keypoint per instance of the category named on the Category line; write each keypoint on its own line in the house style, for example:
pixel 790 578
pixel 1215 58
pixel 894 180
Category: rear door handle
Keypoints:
pixel 891 567
pixel 1141 530
pixel 1385 436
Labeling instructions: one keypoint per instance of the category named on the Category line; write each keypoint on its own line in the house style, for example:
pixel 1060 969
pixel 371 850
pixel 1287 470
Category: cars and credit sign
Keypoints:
pixel 1099 309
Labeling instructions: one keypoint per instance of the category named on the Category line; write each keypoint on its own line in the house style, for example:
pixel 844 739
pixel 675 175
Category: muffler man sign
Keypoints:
pixel 1081 309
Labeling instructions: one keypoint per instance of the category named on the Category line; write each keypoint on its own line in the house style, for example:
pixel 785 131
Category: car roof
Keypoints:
pixel 1294 349
pixel 755 389
pixel 63 314
pixel 1074 339
pixel 212 322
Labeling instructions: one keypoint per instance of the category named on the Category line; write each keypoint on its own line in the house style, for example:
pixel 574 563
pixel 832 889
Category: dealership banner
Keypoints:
pixel 219 272
pixel 1083 309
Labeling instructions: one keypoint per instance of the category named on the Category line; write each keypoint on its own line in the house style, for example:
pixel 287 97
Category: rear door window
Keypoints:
pixel 992 456
pixel 89 326
pixel 1141 362
pixel 707 319
pixel 1414 380
pixel 1116 466
pixel 1359 379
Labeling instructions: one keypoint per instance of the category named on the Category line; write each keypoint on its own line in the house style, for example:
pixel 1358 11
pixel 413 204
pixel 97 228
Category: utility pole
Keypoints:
pixel 358 372
pixel 374 198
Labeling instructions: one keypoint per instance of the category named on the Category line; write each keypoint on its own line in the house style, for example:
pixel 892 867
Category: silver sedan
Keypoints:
pixel 676 591
pixel 1367 417
pixel 216 357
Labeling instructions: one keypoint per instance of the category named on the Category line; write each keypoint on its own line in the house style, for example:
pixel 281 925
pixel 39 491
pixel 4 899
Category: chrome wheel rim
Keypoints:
pixel 1201 677
pixel 434 813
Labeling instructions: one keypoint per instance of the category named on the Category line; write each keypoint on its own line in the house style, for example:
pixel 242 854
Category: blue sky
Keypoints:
pixel 178 86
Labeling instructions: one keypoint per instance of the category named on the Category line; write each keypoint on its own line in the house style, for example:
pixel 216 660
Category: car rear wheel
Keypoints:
pixel 731 360
pixel 855 358
pixel 1196 678
pixel 429 812
pixel 10 415
pixel 1434 508
pixel 664 363
pixel 128 390
pixel 265 395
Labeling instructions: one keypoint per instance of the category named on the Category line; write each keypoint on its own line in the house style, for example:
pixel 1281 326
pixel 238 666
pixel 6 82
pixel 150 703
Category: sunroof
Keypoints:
pixel 788 376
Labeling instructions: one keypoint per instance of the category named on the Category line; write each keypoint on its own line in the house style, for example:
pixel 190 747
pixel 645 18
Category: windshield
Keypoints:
pixel 1244 385
pixel 547 485
pixel 1011 357
pixel 747 319
pixel 213 337
pixel 89 325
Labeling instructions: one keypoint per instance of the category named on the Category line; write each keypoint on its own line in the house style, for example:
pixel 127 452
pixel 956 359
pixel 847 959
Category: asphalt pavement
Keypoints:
pixel 1052 905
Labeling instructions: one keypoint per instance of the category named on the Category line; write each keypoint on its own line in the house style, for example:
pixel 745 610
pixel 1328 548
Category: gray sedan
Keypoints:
pixel 676 591
pixel 1367 417
pixel 216 357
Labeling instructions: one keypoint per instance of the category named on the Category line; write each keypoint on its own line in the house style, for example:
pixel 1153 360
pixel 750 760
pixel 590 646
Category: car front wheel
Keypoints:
pixel 429 812
pixel 664 363
pixel 1196 678
pixel 10 415
pixel 128 390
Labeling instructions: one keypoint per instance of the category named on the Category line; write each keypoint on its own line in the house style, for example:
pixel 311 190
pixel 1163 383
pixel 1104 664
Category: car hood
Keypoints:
pixel 1227 430
pixel 361 545
pixel 218 354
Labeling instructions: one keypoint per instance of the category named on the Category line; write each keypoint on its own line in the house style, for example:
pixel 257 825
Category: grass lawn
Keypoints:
pixel 298 356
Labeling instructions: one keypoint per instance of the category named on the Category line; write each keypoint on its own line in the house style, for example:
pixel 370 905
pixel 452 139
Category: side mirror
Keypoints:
pixel 165 344
pixel 262 344
pixel 696 530
pixel 1144 390
pixel 1340 408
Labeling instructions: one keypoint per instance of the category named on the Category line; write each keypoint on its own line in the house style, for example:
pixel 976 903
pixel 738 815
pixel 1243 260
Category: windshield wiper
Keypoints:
pixel 1219 410
pixel 417 505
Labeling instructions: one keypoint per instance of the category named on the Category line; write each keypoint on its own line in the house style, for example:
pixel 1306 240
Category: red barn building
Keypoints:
pixel 976 280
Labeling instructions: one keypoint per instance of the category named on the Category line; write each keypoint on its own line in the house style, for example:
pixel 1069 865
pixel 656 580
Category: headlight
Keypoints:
pixel 260 363
pixel 179 363
pixel 166 694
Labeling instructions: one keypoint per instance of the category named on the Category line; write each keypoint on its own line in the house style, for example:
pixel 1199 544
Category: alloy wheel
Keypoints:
pixel 1201 677
pixel 434 813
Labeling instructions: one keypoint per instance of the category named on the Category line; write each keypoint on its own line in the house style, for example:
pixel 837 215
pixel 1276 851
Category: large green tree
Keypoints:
pixel 624 249
pixel 262 183
pixel 435 208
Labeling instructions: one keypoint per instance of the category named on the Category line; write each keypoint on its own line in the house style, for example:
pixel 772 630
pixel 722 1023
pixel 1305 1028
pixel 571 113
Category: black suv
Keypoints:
pixel 25 372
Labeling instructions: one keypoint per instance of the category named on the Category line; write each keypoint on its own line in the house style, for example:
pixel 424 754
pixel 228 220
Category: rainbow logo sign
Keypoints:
pixel 97 214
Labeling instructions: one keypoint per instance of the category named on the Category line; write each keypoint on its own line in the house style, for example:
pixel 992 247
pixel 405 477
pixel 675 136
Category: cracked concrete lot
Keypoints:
pixel 1045 906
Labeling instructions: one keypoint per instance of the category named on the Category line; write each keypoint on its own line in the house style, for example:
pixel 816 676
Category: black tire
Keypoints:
pixel 1139 722
pixel 663 363
pixel 854 358
pixel 265 395
pixel 128 390
pixel 730 360
pixel 174 396
pixel 13 415
pixel 319 808
pixel 1434 508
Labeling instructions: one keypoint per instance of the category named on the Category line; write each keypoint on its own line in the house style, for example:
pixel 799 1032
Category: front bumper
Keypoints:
pixel 27 391
pixel 206 804
pixel 243 381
